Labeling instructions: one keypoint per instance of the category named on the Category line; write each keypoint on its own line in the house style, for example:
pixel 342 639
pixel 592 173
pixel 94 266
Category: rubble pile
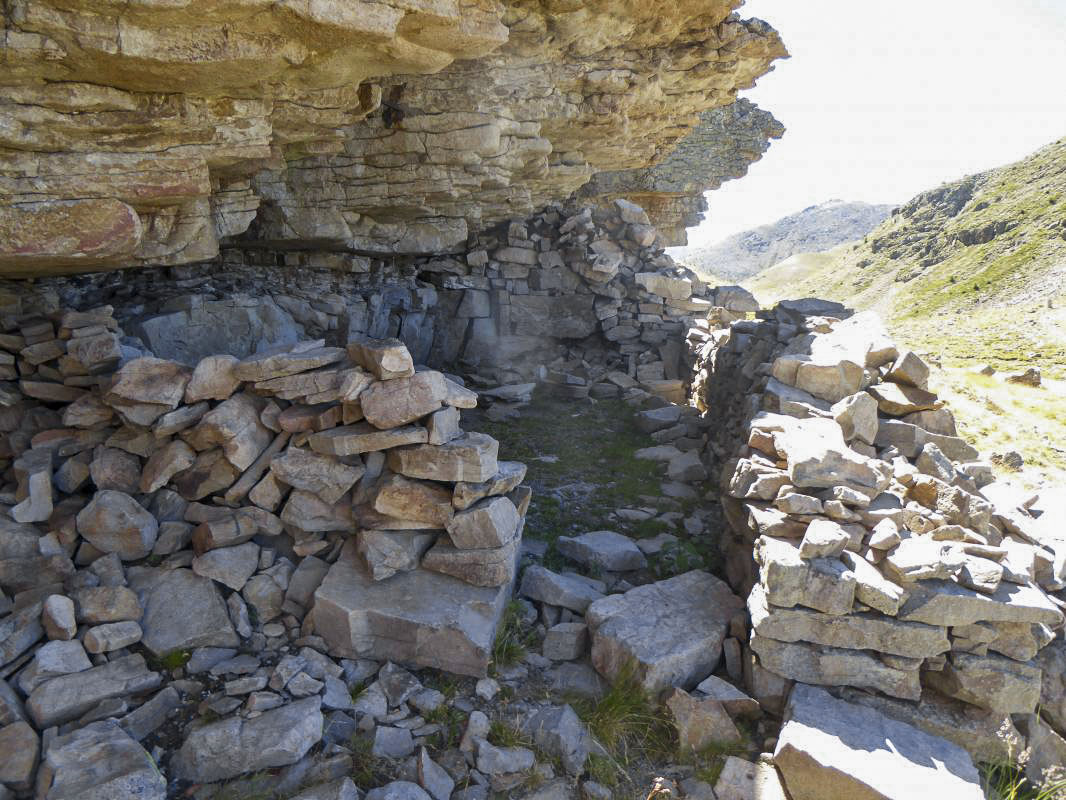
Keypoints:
pixel 874 549
pixel 248 538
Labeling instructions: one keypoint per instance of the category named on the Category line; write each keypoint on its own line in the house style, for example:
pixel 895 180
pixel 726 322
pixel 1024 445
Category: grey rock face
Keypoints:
pixel 99 762
pixel 233 746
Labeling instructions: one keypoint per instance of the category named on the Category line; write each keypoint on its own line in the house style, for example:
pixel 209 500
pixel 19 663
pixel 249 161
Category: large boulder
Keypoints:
pixel 422 618
pixel 671 631
pixel 182 610
pixel 829 748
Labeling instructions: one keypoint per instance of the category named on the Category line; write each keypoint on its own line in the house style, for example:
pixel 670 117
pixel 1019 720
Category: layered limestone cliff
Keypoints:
pixel 146 132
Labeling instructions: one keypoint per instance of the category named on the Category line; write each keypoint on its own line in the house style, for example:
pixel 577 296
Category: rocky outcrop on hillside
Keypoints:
pixel 146 133
pixel 812 230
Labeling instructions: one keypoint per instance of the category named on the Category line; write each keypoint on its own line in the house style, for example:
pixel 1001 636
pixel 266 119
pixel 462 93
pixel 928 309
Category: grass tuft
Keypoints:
pixel 509 646
pixel 1007 782
pixel 628 722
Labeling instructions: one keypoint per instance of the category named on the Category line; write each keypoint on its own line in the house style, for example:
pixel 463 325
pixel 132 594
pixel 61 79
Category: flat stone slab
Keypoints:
pixel 420 618
pixel 605 549
pixel 99 762
pixel 227 748
pixel 871 631
pixel 672 630
pixel 830 748
pixel 834 666
pixel 939 602
pixel 67 697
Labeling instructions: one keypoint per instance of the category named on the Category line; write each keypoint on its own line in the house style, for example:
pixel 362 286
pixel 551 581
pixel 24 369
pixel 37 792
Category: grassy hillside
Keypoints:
pixel 973 272
pixel 975 269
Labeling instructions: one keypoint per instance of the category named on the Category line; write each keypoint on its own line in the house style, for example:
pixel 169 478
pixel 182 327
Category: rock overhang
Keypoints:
pixel 145 136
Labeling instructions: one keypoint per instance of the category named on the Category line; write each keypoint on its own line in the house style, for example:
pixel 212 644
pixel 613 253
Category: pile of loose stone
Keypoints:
pixel 246 540
pixel 888 562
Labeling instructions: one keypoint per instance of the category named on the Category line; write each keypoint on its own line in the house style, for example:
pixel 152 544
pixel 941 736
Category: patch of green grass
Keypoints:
pixel 710 761
pixel 451 721
pixel 683 556
pixel 628 722
pixel 506 734
pixel 581 464
pixel 176 659
pixel 605 770
pixel 509 646
pixel 368 771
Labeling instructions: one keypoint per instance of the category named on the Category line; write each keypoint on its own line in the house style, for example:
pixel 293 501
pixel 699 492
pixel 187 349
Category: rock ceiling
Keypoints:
pixel 144 132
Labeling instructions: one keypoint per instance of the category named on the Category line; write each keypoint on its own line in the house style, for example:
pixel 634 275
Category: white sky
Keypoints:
pixel 883 100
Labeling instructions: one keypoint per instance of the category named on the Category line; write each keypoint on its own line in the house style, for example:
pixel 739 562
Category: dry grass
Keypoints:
pixel 998 417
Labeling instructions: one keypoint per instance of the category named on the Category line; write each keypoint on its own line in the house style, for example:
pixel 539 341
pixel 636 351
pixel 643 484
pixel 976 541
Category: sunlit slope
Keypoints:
pixel 974 270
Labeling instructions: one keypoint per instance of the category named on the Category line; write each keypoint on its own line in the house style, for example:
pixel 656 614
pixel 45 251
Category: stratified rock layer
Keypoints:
pixel 143 134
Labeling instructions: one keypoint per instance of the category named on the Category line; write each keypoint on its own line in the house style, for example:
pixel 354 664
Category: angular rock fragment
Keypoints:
pixel 286 361
pixel 324 476
pixel 480 567
pixel 545 586
pixel 385 358
pixel 470 458
pixel 99 762
pixel 488 523
pixel 831 666
pixel 404 498
pixel 853 631
pixel 999 684
pixel 200 619
pixel 212 379
pixel 364 438
pixel 67 697
pixel 821 583
pixel 164 464
pixel 116 523
pixel 509 476
pixel 392 403
pixel 387 552
pixel 603 549
pixel 700 721
pixel 233 746
pixel 230 566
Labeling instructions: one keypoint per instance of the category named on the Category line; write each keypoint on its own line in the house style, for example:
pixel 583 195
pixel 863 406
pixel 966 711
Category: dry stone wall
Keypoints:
pixel 874 549
pixel 152 509
pixel 567 296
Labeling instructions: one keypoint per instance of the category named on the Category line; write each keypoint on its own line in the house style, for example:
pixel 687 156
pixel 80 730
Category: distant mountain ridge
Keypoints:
pixel 974 269
pixel 812 230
